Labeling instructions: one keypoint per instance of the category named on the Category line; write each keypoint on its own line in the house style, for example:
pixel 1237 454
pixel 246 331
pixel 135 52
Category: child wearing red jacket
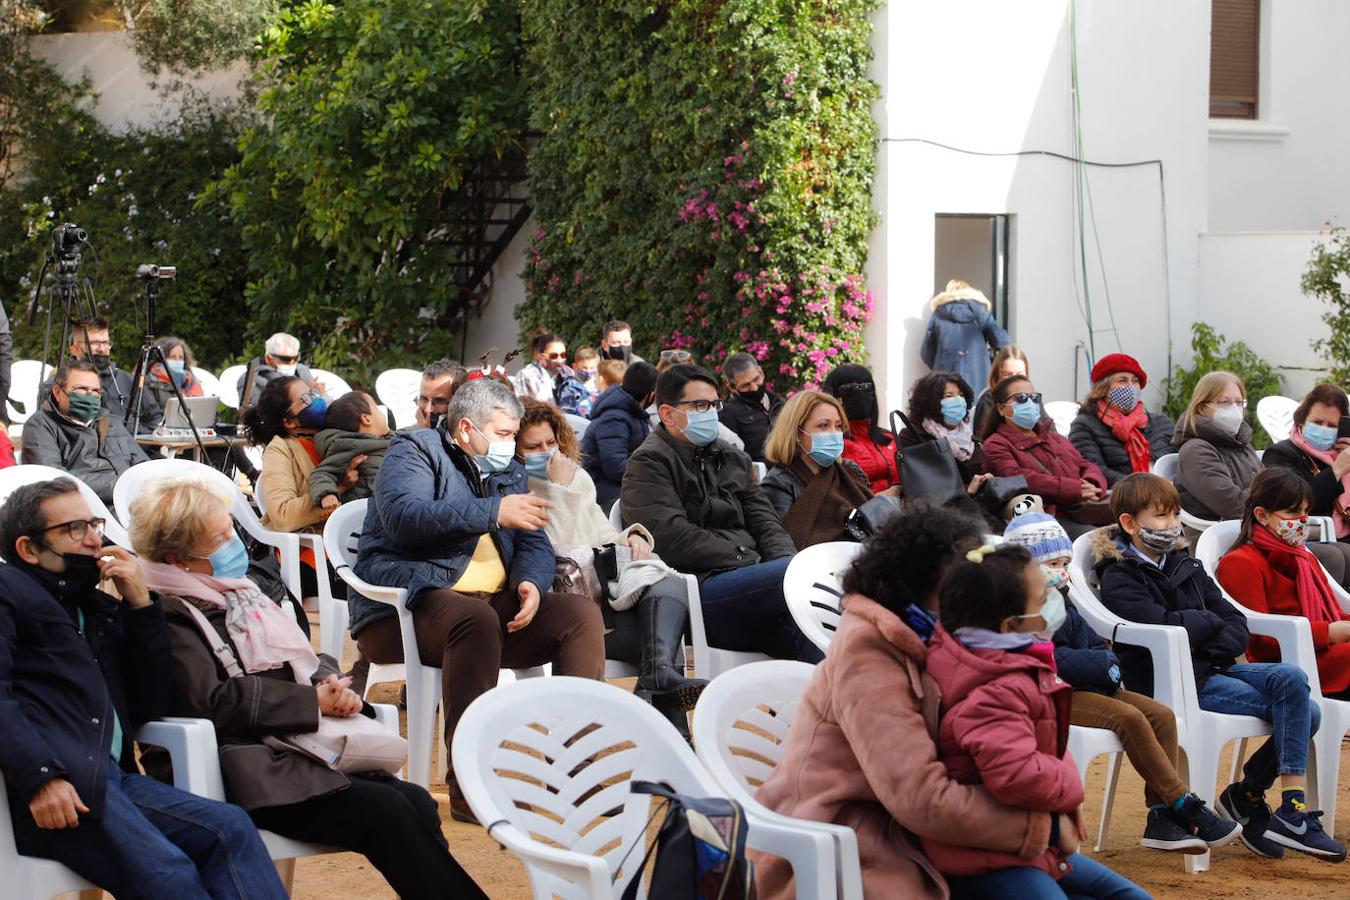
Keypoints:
pixel 1005 724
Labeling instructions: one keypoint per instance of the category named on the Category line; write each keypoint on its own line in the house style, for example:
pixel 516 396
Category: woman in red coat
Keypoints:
pixel 1271 571
pixel 868 444
pixel 1023 443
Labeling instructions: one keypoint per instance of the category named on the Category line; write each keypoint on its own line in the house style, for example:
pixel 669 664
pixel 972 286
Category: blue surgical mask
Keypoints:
pixel 498 457
pixel 702 428
pixel 826 447
pixel 954 410
pixel 230 559
pixel 1026 415
pixel 314 416
pixel 536 464
pixel 1319 437
pixel 176 366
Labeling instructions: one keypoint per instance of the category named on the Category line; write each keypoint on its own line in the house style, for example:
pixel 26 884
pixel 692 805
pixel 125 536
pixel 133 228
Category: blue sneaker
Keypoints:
pixel 1253 815
pixel 1294 826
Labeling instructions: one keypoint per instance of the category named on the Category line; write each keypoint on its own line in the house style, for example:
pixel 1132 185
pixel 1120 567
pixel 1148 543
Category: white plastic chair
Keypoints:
pixel 1062 413
pixel 15 477
pixel 1085 745
pixel 1169 466
pixel 25 377
pixel 229 385
pixel 544 762
pixel 31 878
pixel 210 383
pixel 334 386
pixel 740 726
pixel 1202 735
pixel 1276 415
pixel 397 389
pixel 579 423
pixel 813 588
pixel 1294 636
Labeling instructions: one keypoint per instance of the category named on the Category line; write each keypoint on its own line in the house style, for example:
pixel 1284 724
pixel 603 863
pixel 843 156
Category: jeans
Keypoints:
pixel 154 840
pixel 744 609
pixel 1088 879
pixel 1277 693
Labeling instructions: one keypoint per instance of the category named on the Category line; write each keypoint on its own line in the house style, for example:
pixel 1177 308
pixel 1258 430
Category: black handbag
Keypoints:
pixel 995 493
pixel 867 519
pixel 928 470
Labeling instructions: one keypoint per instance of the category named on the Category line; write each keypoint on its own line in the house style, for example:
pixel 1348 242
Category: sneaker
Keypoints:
pixel 1162 832
pixel 1252 814
pixel 1200 820
pixel 1298 829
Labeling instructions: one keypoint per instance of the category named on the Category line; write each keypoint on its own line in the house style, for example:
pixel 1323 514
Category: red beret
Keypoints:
pixel 1118 362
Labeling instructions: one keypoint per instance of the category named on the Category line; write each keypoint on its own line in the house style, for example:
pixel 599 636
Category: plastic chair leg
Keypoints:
pixel 1324 773
pixel 424 696
pixel 1109 801
pixel 1239 757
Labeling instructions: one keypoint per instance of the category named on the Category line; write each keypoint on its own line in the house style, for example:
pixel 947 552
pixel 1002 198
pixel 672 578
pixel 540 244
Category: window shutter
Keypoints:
pixel 1234 42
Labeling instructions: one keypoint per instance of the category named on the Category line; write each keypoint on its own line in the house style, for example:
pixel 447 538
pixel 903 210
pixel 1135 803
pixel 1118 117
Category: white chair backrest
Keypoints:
pixel 813 588
pixel 16 477
pixel 333 385
pixel 1062 413
pixel 210 383
pixel 342 532
pixel 742 720
pixel 397 389
pixel 25 377
pixel 131 482
pixel 1214 542
pixel 1166 466
pixel 616 516
pixel 229 386
pixel 579 423
pixel 1276 415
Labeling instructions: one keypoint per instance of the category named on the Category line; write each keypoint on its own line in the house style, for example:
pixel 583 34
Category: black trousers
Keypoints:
pixel 394 824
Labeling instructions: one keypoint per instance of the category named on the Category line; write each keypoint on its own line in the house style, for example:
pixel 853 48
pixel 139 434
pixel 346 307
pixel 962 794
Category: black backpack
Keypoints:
pixel 700 849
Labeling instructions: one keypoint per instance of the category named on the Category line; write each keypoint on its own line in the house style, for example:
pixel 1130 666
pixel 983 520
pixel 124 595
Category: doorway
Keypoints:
pixel 974 247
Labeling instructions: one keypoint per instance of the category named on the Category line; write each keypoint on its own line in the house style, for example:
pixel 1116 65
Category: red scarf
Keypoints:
pixel 1314 594
pixel 1129 430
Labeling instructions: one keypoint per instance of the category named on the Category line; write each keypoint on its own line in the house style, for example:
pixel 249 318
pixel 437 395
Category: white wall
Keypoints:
pixel 495 325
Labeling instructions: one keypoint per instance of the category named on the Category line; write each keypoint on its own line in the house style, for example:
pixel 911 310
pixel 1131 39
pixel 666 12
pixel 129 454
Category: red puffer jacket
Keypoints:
pixel 876 461
pixel 1053 467
pixel 1005 724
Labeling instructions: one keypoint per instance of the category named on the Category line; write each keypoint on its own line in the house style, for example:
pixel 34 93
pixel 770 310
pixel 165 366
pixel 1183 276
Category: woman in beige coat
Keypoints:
pixel 861 749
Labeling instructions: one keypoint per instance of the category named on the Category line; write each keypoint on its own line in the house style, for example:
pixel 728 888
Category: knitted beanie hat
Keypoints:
pixel 1040 534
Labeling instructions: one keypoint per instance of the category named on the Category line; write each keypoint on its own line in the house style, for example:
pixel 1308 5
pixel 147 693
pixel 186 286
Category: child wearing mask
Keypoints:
pixel 354 430
pixel 1147 576
pixel 586 365
pixel 1005 723
pixel 1178 820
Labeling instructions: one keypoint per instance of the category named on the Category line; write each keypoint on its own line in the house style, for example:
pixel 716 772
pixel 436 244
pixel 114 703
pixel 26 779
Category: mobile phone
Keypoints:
pixel 1344 429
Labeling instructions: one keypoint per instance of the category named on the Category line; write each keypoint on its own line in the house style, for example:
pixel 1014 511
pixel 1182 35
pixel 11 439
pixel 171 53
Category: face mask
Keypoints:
pixel 826 447
pixel 702 428
pixel 81 573
pixel 614 351
pixel 1293 532
pixel 1319 437
pixel 1026 415
pixel 1058 579
pixel 1053 612
pixel 954 409
pixel 536 464
pixel 1160 540
pixel 314 416
pixel 287 369
pixel 498 457
pixel 230 559
pixel 177 370
pixel 988 639
pixel 754 396
pixel 84 407
pixel 859 404
pixel 1229 419
pixel 1124 398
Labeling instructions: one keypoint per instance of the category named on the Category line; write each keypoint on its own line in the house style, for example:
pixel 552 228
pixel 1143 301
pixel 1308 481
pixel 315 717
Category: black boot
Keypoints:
pixel 660 681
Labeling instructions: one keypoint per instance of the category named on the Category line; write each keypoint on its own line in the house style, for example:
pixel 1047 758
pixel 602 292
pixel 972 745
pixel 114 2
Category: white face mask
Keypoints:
pixel 286 370
pixel 1229 419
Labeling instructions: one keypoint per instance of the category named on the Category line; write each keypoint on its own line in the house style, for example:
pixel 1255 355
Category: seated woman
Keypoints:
pixel 1113 431
pixel 1270 570
pixel 1023 443
pixel 1213 441
pixel 648 632
pixel 813 490
pixel 183 532
pixel 866 708
pixel 939 406
pixel 867 443
pixel 179 372
pixel 1008 361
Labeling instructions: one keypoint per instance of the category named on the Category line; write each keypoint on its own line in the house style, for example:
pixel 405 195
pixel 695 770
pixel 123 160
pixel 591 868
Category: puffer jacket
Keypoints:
pixel 702 505
pixel 423 522
pixel 861 753
pixel 960 333
pixel 1179 593
pixel 751 421
pixel 336 450
pixel 876 460
pixel 1214 468
pixel 1100 446
pixel 1084 660
pixel 1005 724
pixel 96 453
pixel 1326 487
pixel 1053 467
pixel 618 427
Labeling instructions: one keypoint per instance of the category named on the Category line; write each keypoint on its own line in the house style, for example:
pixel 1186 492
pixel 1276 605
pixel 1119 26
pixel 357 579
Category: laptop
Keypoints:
pixel 201 409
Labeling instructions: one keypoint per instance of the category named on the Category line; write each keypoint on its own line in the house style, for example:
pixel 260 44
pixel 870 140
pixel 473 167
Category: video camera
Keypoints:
pixel 66 240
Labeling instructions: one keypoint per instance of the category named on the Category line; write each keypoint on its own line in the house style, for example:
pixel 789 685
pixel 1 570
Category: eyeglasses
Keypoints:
pixel 1023 397
pixel 675 356
pixel 555 356
pixel 701 406
pixel 437 402
pixel 304 401
pixel 94 392
pixel 1224 404
pixel 76 528
pixel 104 345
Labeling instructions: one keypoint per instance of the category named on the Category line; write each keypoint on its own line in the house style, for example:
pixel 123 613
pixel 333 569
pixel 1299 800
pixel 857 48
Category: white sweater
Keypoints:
pixel 576 517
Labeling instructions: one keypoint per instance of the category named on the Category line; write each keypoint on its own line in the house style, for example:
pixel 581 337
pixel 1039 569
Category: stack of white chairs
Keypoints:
pixel 397 390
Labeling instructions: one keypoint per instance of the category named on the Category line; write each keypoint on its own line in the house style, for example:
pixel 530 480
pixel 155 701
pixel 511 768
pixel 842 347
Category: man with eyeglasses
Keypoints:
pixel 433 395
pixel 90 340
pixel 282 357
pixel 699 499
pixel 79 670
pixel 74 432
pixel 549 379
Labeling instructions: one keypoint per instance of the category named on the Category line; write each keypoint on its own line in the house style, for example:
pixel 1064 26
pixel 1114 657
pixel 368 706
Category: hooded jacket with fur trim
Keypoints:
pixel 1177 593
pixel 960 332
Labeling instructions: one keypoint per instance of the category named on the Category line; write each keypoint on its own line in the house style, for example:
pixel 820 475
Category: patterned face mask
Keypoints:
pixel 1293 531
pixel 1124 398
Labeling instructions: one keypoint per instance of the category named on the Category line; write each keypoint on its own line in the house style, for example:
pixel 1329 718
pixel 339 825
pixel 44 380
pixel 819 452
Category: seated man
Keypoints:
pixel 433 397
pixel 89 339
pixel 69 698
pixel 751 408
pixel 452 521
pixel 698 498
pixel 282 357
pixel 72 431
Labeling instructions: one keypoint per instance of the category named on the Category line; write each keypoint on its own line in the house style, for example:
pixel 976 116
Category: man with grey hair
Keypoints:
pixel 751 408
pixel 453 522
pixel 433 396
pixel 281 358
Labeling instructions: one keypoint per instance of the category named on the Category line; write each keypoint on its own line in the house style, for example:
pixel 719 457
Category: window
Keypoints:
pixel 1234 58
pixel 974 248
